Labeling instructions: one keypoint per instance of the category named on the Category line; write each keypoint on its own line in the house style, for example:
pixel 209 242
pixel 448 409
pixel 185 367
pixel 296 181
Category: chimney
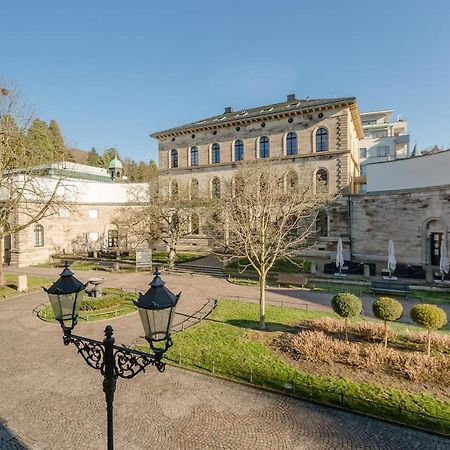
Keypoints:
pixel 290 98
pixel 228 110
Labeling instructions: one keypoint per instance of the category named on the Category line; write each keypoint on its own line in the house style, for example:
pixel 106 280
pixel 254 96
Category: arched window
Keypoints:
pixel 215 188
pixel 237 185
pixel 215 154
pixel 174 158
pixel 321 180
pixel 194 156
pixel 291 181
pixel 238 150
pixel 195 224
pixel 322 140
pixel 38 235
pixel 264 147
pixel 193 189
pixel 174 190
pixel 322 224
pixel 291 144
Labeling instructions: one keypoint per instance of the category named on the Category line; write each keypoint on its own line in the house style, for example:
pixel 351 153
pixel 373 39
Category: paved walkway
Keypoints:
pixel 197 288
pixel 50 399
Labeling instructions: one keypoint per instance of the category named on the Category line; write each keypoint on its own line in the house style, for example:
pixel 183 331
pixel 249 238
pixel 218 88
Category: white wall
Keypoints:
pixel 418 172
pixel 79 191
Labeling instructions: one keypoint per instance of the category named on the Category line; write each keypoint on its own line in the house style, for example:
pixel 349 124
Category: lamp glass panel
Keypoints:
pixel 156 323
pixel 66 306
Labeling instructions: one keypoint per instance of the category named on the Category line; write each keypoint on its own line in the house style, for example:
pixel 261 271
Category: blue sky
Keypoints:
pixel 112 72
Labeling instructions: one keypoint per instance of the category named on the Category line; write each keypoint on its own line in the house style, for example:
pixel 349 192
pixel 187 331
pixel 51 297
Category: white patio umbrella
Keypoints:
pixel 392 263
pixel 444 263
pixel 339 255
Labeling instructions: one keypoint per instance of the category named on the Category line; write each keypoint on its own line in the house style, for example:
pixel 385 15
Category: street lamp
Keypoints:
pixel 156 308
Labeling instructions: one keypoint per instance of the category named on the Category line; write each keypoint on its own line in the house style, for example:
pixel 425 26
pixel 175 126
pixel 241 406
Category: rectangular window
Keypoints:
pixel 93 237
pixel 113 238
pixel 383 150
pixel 93 214
pixel 379 134
pixel 363 152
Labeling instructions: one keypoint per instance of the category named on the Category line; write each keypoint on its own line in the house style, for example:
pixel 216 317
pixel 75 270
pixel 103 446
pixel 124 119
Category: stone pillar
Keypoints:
pixel 313 268
pixel 429 274
pixel 366 271
pixel 22 283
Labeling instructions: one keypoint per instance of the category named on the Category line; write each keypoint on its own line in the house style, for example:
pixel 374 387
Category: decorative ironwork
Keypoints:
pixel 127 362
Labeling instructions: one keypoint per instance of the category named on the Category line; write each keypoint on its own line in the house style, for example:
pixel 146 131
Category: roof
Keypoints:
pixel 115 164
pixel 292 105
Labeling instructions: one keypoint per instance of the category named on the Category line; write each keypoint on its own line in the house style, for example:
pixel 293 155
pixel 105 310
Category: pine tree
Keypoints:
pixel 39 143
pixel 94 159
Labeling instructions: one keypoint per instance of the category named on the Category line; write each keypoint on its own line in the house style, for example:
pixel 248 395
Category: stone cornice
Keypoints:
pixel 267 116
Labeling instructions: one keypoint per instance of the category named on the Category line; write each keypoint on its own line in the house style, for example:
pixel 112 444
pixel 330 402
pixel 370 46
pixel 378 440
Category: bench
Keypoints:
pixel 293 279
pixel 390 287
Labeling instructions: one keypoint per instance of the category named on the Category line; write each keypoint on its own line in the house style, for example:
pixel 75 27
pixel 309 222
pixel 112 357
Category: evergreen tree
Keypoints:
pixel 39 143
pixel 94 159
pixel 108 155
pixel 58 142
pixel 56 137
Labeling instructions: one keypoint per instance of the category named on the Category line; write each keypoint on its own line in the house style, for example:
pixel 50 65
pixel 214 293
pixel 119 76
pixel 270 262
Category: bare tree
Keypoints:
pixel 268 213
pixel 165 214
pixel 27 194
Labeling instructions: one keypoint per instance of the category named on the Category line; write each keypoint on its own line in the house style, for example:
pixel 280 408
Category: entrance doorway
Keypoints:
pixel 435 250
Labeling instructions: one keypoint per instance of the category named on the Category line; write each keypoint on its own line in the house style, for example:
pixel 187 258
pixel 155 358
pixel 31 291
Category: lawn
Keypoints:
pixel 300 266
pixel 229 343
pixel 11 284
pixel 113 303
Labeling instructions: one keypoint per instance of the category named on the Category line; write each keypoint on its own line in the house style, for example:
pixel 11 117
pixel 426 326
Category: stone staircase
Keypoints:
pixel 198 269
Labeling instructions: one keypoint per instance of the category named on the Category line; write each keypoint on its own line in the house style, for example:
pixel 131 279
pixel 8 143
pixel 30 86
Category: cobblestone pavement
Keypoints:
pixel 50 399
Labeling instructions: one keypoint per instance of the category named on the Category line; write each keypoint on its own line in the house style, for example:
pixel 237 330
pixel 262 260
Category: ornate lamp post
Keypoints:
pixel 156 308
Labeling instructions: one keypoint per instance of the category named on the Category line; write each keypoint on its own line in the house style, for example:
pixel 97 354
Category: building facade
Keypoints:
pixel 293 134
pixel 85 220
pixel 383 140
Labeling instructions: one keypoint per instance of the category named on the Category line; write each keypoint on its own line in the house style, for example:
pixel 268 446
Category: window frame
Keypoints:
pixel 239 146
pixel 386 153
pixel 264 140
pixel 291 149
pixel 174 158
pixel 322 140
pixel 215 153
pixel 194 151
pixel 39 235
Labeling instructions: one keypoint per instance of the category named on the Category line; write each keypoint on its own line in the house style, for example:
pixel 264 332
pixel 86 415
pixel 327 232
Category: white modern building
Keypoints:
pixel 429 170
pixel 383 140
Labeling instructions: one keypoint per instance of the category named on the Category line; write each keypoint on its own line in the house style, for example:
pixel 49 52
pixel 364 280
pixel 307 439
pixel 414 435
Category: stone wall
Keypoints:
pixel 407 217
pixel 74 231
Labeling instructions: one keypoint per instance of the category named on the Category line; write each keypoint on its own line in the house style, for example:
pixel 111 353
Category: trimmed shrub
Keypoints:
pixel 387 309
pixel 346 305
pixel 430 317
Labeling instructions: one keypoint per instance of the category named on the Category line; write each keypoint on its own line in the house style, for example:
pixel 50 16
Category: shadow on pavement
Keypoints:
pixel 10 442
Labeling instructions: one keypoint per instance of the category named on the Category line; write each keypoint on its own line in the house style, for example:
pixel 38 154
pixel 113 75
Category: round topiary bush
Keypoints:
pixel 387 309
pixel 430 317
pixel 346 305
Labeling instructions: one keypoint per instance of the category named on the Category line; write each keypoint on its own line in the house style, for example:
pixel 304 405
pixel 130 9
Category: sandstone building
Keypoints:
pixel 294 133
pixel 92 198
